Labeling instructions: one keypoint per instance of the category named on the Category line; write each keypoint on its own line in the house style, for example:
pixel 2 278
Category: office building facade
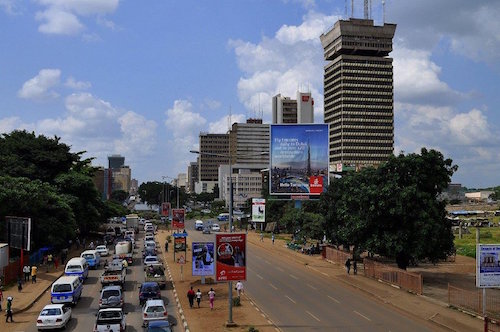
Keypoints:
pixel 249 142
pixel 116 161
pixel 287 110
pixel 210 146
pixel 192 176
pixel 358 93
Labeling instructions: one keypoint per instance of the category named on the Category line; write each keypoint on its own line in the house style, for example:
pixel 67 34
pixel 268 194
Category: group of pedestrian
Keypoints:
pixel 27 271
pixel 191 294
pixel 354 266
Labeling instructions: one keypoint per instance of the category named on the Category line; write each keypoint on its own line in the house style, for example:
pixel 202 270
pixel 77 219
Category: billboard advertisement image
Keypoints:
pixel 203 258
pixel 488 265
pixel 230 250
pixel 299 159
pixel 165 209
pixel 178 218
pixel 258 210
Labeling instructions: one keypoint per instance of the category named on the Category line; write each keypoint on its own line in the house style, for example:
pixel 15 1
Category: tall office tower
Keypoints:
pixel 210 145
pixel 116 161
pixel 300 110
pixel 249 143
pixel 358 93
pixel 192 176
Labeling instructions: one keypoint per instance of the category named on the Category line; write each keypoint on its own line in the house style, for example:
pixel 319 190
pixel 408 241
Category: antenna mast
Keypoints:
pixel 383 11
pixel 365 9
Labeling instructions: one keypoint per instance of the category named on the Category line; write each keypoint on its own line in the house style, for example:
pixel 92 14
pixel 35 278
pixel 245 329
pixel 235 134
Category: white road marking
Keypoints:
pixel 294 277
pixel 259 276
pixel 311 286
pixel 258 257
pixel 314 269
pixel 362 315
pixel 268 262
pixel 276 288
pixel 325 274
pixel 279 268
pixel 290 299
pixel 263 315
pixel 333 299
pixel 313 316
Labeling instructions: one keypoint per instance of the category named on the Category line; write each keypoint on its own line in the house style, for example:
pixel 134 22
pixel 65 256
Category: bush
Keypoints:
pixel 486 235
pixel 252 329
pixel 236 302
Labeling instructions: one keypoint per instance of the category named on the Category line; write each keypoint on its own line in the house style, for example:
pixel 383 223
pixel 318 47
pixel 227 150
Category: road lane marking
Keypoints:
pixel 313 316
pixel 325 274
pixel 276 288
pixel 258 257
pixel 294 277
pixel 314 269
pixel 333 299
pixel 259 276
pixel 290 299
pixel 311 286
pixel 268 262
pixel 362 315
pixel 263 315
pixel 279 268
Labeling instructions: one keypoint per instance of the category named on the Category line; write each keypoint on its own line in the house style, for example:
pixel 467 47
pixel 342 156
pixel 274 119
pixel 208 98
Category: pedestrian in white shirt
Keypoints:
pixel 239 288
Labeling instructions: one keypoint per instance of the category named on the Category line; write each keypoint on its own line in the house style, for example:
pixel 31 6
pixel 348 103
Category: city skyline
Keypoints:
pixel 113 77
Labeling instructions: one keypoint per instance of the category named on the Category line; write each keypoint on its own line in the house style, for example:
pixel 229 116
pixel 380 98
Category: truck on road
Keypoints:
pixel 114 274
pixel 132 221
pixel 112 319
pixel 124 250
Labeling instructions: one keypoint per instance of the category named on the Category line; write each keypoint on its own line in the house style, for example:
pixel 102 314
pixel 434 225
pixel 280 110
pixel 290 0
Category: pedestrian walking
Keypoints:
pixel 78 243
pixel 9 310
pixel 272 238
pixel 348 265
pixel 166 246
pixel 34 270
pixel 56 263
pixel 239 288
pixel 50 260
pixel 91 245
pixel 191 294
pixel 198 297
pixel 211 298
pixel 64 255
pixel 26 271
pixel 355 267
pixel 261 237
pixel 1 297
pixel 19 283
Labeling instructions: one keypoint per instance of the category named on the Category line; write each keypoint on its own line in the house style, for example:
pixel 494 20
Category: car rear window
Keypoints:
pixel 60 288
pixel 110 292
pixel 50 312
pixel 155 308
pixel 110 315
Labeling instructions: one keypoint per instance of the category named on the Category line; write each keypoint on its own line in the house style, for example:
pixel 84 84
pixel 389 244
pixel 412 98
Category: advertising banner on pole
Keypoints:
pixel 230 249
pixel 203 258
pixel 258 210
pixel 488 265
pixel 299 159
pixel 165 209
pixel 178 218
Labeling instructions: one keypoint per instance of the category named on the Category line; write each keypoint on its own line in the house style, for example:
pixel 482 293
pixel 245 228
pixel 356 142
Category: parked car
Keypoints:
pixel 215 227
pixel 110 319
pixel 53 316
pixel 153 310
pixel 206 230
pixel 111 297
pixel 102 250
pixel 149 290
pixel 159 326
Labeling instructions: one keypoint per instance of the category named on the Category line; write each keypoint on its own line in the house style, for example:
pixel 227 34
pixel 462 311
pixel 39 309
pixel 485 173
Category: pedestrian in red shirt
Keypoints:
pixel 191 294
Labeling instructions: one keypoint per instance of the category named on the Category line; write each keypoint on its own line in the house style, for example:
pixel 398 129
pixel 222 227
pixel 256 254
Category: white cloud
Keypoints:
pixel 9 124
pixel 312 27
pixel 77 85
pixel 182 121
pixel 212 104
pixel 63 17
pixel 9 6
pixel 138 134
pixel 222 125
pixel 470 128
pixel 38 87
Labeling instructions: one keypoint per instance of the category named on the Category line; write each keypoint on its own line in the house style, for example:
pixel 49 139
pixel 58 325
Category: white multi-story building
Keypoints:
pixel 287 110
pixel 247 183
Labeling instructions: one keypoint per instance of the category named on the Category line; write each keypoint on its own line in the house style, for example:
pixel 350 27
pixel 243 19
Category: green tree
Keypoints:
pixel 53 220
pixel 119 196
pixel 151 192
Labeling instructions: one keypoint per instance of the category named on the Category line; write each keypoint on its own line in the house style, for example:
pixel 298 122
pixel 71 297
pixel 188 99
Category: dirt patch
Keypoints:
pixel 203 318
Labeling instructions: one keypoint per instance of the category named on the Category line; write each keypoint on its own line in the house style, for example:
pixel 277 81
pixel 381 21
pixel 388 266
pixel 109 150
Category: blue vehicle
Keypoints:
pixel 92 257
pixel 77 266
pixel 67 289
pixel 223 217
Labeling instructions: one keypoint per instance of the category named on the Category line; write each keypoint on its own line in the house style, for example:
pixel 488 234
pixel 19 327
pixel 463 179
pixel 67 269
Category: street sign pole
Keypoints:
pixel 230 284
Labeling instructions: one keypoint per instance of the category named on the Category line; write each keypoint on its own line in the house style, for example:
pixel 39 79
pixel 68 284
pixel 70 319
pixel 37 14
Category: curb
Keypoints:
pixel 27 307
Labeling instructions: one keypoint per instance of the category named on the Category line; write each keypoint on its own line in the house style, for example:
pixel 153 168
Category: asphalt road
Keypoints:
pixel 297 300
pixel 83 316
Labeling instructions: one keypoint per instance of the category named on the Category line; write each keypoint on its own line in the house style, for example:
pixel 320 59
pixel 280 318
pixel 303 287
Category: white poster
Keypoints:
pixel 488 265
pixel 258 210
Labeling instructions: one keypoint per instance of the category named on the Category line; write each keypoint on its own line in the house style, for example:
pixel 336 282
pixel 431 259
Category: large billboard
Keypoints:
pixel 488 265
pixel 258 210
pixel 203 258
pixel 299 159
pixel 165 209
pixel 231 256
pixel 178 218
pixel 19 232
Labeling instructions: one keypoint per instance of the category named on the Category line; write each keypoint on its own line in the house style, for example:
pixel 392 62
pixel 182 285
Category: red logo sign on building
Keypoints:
pixel 305 99
pixel 315 185
pixel 230 249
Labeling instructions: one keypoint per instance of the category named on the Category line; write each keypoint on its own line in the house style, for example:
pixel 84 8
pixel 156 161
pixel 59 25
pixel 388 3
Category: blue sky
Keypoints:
pixel 144 78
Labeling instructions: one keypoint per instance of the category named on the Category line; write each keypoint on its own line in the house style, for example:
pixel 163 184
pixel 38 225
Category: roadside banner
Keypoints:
pixel 203 258
pixel 230 256
pixel 488 265
pixel 165 209
pixel 258 210
pixel 178 218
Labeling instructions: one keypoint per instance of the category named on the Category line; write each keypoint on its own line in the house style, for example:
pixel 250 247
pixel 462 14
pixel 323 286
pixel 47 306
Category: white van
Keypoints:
pixel 67 289
pixel 198 225
pixel 93 258
pixel 77 266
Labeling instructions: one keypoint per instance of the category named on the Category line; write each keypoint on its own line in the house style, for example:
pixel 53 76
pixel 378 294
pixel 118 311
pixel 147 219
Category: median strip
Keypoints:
pixel 290 299
pixel 313 316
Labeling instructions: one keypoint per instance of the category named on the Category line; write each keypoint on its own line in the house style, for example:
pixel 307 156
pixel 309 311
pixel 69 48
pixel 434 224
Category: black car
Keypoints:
pixel 149 290
pixel 148 252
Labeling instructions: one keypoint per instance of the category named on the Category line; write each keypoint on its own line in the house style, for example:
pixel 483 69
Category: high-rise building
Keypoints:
pixel 192 176
pixel 358 93
pixel 121 178
pixel 287 110
pixel 214 151
pixel 247 183
pixel 249 143
pixel 116 161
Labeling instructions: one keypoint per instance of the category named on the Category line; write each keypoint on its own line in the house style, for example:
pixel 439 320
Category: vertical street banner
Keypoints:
pixel 19 232
pixel 203 258
pixel 230 249
pixel 178 218
pixel 258 210
pixel 165 209
pixel 299 159
pixel 488 265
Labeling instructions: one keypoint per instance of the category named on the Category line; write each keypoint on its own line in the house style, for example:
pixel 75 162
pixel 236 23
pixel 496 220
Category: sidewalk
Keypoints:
pixel 433 311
